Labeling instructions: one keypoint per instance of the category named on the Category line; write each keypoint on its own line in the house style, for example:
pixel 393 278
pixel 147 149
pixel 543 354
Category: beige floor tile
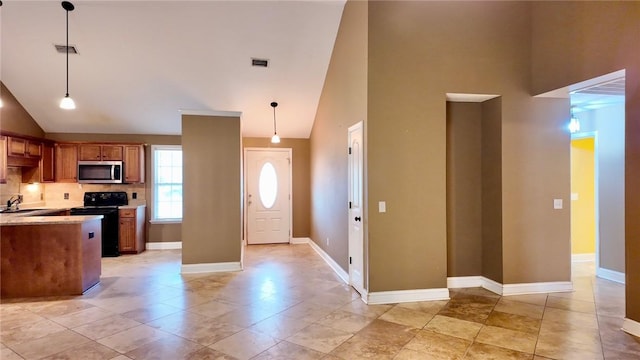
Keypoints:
pixel 132 338
pixel 280 326
pixel 245 344
pixel 288 351
pixel 58 308
pixel 49 345
pixel 533 299
pixel 308 311
pixel 479 351
pixel 406 316
pixel 571 304
pixel 82 317
pixel 569 319
pixel 18 317
pixel 170 347
pixel 194 327
pixel 319 338
pixel 454 327
pixel 519 308
pixel 465 310
pixel 150 312
pixel 246 316
pixel 30 331
pixel 508 339
pixel 428 307
pixel 86 351
pixel 559 348
pixel 514 322
pixel 345 321
pixel 210 354
pixel 576 335
pixel 437 346
pixel 380 340
pixel 480 292
pixel 357 306
pixel 8 354
pixel 105 327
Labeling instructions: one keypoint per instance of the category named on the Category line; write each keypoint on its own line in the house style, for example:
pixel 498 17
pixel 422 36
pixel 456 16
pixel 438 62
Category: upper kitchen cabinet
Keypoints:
pixel 3 159
pixel 66 163
pixel 100 152
pixel 45 172
pixel 134 163
pixel 23 147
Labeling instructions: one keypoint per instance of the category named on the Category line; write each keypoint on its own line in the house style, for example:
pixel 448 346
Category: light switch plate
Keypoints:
pixel 382 206
pixel 557 204
pixel 574 196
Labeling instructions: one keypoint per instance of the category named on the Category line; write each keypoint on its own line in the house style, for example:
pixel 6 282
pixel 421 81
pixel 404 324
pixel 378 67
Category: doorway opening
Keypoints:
pixel 598 105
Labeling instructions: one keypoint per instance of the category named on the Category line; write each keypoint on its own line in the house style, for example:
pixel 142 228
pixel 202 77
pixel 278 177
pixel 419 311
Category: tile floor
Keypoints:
pixel 288 304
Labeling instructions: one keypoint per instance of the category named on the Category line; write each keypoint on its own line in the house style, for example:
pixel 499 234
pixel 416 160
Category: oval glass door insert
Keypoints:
pixel 268 185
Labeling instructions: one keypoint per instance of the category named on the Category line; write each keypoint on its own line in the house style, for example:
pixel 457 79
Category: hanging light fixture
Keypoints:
pixel 574 123
pixel 67 102
pixel 275 139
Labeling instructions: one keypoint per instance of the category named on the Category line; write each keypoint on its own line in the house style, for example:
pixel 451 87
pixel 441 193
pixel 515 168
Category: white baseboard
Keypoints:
pixel 474 281
pixel 302 240
pixel 400 296
pixel 535 288
pixel 583 257
pixel 164 245
pixel 334 265
pixel 631 326
pixel 610 275
pixel 210 267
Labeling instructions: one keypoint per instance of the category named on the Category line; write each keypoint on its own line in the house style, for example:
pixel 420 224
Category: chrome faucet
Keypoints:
pixel 15 199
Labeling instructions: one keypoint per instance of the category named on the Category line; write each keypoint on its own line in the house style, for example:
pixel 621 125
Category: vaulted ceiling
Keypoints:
pixel 140 62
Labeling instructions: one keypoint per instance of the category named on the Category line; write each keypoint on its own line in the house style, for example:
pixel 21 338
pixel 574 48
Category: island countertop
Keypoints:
pixel 23 219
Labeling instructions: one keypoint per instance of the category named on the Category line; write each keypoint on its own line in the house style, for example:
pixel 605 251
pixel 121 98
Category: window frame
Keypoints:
pixel 154 185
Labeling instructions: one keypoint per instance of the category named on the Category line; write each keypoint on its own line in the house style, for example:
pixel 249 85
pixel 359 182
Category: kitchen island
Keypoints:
pixel 49 255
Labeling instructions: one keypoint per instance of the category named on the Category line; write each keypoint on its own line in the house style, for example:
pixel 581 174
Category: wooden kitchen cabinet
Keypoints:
pixel 3 159
pixel 45 171
pixel 23 147
pixel 132 239
pixel 66 163
pixel 100 152
pixel 134 163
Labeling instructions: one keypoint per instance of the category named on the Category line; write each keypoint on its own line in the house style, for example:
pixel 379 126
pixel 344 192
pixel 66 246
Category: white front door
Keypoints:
pixel 268 195
pixel 356 233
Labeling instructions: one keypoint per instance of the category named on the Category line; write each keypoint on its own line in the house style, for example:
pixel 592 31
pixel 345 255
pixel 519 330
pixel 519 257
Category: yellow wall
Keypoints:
pixel 583 225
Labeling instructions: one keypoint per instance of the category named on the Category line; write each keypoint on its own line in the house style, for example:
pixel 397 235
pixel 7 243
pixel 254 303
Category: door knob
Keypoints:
pixel 358 218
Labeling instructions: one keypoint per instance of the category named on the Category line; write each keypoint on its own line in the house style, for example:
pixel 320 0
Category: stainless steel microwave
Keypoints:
pixel 100 172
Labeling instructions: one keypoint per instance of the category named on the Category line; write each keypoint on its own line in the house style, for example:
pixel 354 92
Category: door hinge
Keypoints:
pixel 349 204
pixel 350 260
pixel 349 150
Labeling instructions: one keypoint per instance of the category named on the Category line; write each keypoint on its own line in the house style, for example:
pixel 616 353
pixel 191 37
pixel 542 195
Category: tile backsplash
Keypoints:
pixel 53 194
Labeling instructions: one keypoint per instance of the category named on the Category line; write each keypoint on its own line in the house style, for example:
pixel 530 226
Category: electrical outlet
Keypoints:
pixel 41 196
pixel 327 241
pixel 66 196
pixel 134 195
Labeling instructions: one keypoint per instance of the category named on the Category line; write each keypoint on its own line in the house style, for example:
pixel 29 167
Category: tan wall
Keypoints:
pixel 343 103
pixel 440 47
pixel 212 196
pixel 155 232
pixel 492 253
pixel 563 56
pixel 14 117
pixel 464 189
pixel 300 168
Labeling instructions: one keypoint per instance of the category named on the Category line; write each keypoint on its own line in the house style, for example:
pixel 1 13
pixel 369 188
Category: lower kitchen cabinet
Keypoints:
pixel 132 239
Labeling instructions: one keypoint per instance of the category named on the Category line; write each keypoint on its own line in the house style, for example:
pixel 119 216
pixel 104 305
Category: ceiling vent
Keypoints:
pixel 260 62
pixel 62 49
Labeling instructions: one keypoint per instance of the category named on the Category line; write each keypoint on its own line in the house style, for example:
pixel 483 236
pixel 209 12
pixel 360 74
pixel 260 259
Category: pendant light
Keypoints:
pixel 574 123
pixel 67 102
pixel 275 139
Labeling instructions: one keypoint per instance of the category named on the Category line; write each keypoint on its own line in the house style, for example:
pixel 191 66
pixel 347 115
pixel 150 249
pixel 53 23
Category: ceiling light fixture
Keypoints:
pixel 275 139
pixel 67 102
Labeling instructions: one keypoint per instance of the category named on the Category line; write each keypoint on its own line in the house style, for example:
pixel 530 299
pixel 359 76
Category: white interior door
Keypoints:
pixel 268 195
pixel 356 233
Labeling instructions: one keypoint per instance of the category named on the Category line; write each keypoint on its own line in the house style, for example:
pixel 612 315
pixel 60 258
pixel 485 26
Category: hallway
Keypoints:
pixel 288 304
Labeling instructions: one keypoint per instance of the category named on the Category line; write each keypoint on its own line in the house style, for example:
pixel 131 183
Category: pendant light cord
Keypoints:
pixel 274 121
pixel 67 49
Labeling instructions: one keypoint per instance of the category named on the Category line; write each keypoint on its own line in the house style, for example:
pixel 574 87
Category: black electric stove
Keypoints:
pixel 105 204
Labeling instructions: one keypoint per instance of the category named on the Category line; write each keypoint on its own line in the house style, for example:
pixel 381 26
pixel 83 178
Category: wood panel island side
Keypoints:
pixel 49 255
